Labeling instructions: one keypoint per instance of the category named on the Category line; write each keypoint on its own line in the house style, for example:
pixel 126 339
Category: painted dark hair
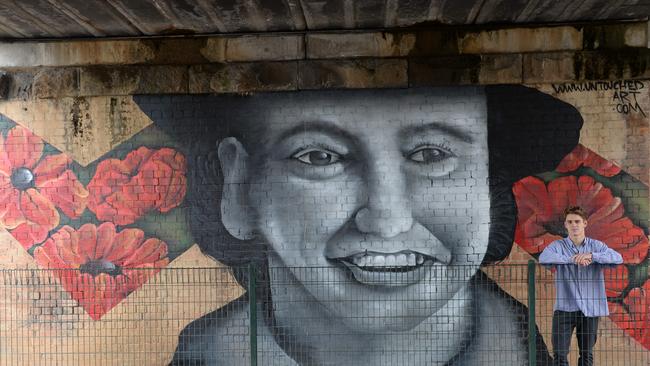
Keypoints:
pixel 528 132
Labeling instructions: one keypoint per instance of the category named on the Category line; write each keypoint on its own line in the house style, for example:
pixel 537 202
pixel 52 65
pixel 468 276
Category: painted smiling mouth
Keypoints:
pixel 404 261
pixel 397 269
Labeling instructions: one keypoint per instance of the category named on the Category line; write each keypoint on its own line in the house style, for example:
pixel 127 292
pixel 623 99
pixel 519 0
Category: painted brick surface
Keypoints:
pixel 375 211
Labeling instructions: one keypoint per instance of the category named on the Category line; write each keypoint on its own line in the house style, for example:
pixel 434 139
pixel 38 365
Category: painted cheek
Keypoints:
pixel 456 209
pixel 328 207
pixel 298 216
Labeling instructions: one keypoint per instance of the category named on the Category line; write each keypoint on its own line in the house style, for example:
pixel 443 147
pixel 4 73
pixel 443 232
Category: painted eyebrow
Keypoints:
pixel 316 126
pixel 437 127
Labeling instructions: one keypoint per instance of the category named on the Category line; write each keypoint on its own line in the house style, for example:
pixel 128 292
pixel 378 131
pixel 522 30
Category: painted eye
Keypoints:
pixel 318 157
pixel 429 155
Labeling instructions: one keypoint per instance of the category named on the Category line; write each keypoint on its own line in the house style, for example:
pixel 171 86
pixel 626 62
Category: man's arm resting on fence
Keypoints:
pixel 553 255
pixel 605 255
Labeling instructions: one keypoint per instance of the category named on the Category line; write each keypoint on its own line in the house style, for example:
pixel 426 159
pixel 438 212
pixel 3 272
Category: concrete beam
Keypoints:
pixel 323 45
pixel 279 62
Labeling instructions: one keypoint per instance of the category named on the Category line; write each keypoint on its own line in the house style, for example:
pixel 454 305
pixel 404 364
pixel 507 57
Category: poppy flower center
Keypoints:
pixel 97 267
pixel 22 178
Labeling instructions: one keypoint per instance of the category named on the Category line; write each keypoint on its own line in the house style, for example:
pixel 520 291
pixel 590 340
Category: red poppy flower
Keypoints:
pixel 32 187
pixel 98 266
pixel 540 215
pixel 634 315
pixel 616 280
pixel 583 156
pixel 123 191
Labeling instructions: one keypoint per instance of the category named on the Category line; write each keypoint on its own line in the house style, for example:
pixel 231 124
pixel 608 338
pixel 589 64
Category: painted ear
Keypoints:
pixel 235 215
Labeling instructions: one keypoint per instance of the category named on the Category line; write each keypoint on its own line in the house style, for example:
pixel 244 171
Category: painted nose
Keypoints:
pixel 388 211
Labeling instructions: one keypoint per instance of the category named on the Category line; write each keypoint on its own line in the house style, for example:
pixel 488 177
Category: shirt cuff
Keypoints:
pixel 601 258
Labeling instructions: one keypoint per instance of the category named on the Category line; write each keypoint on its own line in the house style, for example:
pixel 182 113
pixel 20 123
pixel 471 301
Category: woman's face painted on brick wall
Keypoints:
pixel 383 190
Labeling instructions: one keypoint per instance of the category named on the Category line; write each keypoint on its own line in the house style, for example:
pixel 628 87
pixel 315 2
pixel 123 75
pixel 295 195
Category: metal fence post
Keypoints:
pixel 252 299
pixel 532 329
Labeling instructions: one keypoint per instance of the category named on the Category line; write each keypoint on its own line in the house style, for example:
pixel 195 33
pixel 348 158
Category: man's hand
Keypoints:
pixel 583 259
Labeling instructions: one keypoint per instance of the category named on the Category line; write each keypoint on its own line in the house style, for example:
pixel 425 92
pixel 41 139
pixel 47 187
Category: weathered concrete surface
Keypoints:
pixel 615 36
pixel 500 69
pixel 374 44
pixel 125 80
pixel 56 82
pixel 20 84
pixel 243 77
pixel 326 45
pixel 279 61
pixel 612 64
pixel 362 73
pixel 548 67
pixel 463 70
pixel 238 77
pixel 444 71
pixel 521 40
pixel 83 127
pixel 254 48
pixel 73 53
pixel 265 48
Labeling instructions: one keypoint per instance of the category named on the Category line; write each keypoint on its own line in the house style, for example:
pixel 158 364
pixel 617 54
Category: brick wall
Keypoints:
pixel 363 158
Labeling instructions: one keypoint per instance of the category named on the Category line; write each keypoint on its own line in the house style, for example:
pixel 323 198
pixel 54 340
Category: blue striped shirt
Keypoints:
pixel 577 287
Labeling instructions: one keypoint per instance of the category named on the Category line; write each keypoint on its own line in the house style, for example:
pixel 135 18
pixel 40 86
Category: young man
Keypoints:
pixel 580 287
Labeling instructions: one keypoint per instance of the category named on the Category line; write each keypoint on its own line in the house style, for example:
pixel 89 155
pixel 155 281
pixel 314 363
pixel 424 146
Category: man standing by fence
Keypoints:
pixel 580 287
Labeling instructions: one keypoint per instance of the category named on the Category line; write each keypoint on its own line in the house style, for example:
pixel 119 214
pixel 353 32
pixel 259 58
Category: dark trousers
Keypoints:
pixel 586 331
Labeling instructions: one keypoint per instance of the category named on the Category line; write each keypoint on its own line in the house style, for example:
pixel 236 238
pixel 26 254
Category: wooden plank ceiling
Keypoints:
pixel 26 19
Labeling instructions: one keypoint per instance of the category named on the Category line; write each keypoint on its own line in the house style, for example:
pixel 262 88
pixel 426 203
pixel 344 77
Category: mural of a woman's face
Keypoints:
pixel 384 190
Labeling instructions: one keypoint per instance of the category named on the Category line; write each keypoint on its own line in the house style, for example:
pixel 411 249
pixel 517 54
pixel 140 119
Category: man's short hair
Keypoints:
pixel 575 210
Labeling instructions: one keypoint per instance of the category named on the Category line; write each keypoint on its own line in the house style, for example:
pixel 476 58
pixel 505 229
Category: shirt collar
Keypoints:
pixel 584 242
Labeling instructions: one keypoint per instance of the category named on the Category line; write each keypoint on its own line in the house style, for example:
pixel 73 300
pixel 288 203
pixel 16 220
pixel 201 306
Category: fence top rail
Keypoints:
pixel 244 267
pixel 302 268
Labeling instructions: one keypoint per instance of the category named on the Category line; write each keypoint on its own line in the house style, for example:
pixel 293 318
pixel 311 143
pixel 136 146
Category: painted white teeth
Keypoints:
pixel 411 259
pixel 400 260
pixel 379 261
pixel 389 260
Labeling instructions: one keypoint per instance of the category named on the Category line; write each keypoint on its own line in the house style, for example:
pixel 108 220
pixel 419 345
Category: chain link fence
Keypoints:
pixel 431 315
